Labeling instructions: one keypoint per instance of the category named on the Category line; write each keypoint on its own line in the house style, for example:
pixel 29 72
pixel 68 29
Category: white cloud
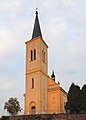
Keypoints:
pixel 56 32
pixel 7 86
pixel 10 7
pixel 7 42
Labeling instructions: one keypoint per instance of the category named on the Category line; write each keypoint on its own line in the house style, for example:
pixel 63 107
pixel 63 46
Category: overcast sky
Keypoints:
pixel 63 26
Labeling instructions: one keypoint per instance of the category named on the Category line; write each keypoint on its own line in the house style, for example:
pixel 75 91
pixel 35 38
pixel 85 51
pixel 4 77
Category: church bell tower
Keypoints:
pixel 35 98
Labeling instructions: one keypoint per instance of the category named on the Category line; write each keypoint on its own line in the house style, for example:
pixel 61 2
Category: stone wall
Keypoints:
pixel 48 117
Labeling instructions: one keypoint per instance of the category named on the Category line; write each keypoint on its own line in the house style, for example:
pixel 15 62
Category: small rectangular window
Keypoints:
pixel 32 83
pixel 43 56
pixel 34 54
pixel 31 55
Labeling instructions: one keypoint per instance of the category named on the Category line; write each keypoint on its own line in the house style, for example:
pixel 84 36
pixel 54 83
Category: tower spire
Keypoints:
pixel 36 29
pixel 53 75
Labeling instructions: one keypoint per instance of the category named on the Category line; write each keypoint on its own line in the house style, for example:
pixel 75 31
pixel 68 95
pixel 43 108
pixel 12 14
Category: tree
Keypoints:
pixel 73 104
pixel 83 99
pixel 12 106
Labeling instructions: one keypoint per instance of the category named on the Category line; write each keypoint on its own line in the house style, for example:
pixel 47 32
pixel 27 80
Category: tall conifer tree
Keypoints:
pixel 73 104
pixel 83 99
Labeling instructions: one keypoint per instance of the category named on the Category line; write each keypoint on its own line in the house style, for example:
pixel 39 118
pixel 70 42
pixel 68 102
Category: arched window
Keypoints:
pixel 34 54
pixel 32 83
pixel 43 56
pixel 31 55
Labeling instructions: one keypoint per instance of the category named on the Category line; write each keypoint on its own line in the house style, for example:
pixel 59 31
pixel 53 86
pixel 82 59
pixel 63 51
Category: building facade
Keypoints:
pixel 42 94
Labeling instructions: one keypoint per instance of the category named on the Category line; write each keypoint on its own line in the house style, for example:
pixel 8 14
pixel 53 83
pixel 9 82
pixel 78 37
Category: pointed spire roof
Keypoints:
pixel 53 75
pixel 36 30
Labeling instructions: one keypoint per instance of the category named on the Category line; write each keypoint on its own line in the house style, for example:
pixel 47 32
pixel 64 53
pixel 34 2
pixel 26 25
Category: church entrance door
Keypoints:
pixel 32 107
pixel 33 110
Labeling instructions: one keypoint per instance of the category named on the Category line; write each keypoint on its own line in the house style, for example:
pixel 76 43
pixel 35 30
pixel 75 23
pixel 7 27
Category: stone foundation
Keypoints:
pixel 48 117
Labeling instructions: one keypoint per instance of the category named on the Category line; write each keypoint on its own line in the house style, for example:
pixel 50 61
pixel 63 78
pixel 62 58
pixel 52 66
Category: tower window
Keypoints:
pixel 32 83
pixel 34 54
pixel 31 55
pixel 43 56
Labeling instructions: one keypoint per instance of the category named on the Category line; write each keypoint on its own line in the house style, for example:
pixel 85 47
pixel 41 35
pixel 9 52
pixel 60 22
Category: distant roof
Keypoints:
pixel 36 29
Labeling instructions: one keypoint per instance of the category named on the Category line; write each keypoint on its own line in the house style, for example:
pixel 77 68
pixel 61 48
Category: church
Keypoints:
pixel 42 94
